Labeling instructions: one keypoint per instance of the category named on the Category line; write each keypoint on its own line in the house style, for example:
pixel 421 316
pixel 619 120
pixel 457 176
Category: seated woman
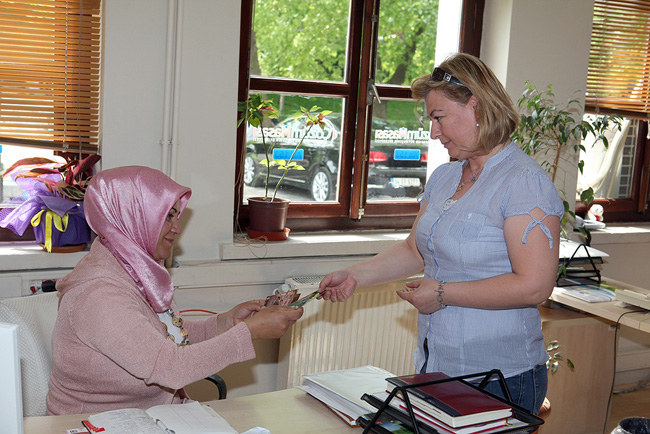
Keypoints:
pixel 118 340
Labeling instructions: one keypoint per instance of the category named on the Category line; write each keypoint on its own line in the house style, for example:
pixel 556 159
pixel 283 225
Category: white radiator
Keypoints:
pixel 373 327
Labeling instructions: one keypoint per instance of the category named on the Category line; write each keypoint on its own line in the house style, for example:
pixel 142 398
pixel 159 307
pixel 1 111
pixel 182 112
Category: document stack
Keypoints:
pixel 434 403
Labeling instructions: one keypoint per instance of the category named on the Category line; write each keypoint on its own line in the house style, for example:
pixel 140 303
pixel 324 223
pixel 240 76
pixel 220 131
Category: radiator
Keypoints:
pixel 373 327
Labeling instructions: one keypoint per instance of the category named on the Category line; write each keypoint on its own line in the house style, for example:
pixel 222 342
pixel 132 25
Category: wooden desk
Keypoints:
pixel 289 411
pixel 580 398
pixel 610 310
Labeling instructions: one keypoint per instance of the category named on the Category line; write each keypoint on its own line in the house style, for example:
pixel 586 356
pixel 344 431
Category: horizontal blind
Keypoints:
pixel 50 74
pixel 619 59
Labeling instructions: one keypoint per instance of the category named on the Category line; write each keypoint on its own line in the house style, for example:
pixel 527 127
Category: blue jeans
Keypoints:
pixel 527 389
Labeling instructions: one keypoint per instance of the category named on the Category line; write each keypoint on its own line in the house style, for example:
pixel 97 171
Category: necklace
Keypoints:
pixel 174 327
pixel 471 179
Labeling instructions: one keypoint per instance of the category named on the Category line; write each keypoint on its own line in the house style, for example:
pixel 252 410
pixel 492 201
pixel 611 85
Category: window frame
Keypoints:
pixel 343 215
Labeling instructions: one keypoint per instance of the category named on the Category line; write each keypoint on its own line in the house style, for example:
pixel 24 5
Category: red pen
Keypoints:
pixel 90 427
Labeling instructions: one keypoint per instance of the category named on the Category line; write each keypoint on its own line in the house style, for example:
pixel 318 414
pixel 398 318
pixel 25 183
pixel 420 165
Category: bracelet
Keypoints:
pixel 440 291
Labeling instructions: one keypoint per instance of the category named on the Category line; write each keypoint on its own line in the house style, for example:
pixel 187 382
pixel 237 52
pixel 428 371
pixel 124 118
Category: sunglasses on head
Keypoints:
pixel 439 74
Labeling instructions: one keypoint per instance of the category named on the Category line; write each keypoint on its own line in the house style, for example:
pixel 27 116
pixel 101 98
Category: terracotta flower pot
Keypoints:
pixel 267 215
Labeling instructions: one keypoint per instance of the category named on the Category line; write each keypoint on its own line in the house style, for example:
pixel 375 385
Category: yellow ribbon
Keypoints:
pixel 50 216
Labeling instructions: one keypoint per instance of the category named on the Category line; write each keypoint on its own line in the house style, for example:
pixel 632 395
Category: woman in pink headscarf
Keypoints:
pixel 119 340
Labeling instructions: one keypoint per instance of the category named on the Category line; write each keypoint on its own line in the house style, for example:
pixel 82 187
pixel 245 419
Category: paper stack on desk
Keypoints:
pixel 341 390
pixel 591 293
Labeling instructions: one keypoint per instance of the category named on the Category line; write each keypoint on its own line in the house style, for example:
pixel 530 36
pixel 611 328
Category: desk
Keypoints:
pixel 580 398
pixel 289 411
pixel 609 310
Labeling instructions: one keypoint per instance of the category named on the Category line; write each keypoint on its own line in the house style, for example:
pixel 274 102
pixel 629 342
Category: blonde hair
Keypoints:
pixel 495 112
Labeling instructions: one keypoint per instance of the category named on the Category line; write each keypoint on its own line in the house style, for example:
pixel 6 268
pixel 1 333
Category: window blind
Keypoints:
pixel 619 60
pixel 50 74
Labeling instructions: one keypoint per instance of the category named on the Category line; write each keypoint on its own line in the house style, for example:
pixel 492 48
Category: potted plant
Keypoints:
pixel 267 214
pixel 55 189
pixel 556 133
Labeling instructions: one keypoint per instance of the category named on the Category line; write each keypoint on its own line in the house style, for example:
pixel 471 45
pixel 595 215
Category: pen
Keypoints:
pixel 162 425
pixel 90 427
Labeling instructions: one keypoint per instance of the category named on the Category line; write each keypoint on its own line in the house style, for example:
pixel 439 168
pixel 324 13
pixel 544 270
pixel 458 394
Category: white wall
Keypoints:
pixel 135 36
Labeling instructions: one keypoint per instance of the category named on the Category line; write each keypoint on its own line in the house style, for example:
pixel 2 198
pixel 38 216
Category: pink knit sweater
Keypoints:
pixel 110 348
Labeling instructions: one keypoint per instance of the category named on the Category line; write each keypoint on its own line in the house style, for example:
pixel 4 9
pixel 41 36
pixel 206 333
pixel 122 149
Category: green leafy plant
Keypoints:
pixel 254 110
pixel 555 358
pixel 556 133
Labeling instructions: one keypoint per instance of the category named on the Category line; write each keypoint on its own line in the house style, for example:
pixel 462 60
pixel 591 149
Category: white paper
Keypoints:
pixel 342 389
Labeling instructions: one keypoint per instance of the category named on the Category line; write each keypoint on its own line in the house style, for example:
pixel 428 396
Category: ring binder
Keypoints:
pixel 531 421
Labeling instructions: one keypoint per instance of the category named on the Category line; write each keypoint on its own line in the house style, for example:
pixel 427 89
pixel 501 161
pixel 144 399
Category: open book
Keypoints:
pixel 192 418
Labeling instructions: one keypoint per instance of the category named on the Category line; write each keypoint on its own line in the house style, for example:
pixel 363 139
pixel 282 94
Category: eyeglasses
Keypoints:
pixel 439 74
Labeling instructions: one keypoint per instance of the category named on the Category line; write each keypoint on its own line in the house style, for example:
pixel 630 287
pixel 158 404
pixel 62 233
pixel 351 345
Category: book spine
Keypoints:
pixel 430 400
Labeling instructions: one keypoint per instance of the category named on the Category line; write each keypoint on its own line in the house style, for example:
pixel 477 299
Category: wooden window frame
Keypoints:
pixel 342 215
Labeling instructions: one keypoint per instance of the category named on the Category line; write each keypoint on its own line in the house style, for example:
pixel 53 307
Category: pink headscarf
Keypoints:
pixel 126 207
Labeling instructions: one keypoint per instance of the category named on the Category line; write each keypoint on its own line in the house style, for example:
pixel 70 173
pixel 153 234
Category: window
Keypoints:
pixel 366 168
pixel 49 83
pixel 619 67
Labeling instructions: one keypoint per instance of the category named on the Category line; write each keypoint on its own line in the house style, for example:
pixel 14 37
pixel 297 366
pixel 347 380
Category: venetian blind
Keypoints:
pixel 619 59
pixel 50 74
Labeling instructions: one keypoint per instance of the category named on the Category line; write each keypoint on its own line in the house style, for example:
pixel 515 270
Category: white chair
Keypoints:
pixel 35 316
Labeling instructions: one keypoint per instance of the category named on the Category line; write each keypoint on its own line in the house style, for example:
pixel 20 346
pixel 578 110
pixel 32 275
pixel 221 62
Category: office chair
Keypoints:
pixel 35 316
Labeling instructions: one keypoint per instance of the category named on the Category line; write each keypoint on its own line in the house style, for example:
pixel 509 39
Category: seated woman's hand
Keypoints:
pixel 272 321
pixel 237 314
pixel 421 294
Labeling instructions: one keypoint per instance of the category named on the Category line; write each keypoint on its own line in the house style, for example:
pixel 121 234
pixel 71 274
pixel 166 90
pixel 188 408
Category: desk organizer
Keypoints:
pixel 409 420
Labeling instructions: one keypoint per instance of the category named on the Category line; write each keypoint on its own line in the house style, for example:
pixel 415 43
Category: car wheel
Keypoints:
pixel 321 187
pixel 250 170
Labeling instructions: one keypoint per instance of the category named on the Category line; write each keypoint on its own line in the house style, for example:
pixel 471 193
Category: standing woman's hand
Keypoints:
pixel 337 286
pixel 272 321
pixel 421 294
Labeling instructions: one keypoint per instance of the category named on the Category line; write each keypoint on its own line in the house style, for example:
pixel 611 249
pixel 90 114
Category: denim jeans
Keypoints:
pixel 527 389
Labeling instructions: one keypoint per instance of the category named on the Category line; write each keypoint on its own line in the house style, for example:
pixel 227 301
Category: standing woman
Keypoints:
pixel 119 340
pixel 487 237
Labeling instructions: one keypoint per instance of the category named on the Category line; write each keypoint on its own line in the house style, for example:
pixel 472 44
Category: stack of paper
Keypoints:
pixel 591 293
pixel 342 390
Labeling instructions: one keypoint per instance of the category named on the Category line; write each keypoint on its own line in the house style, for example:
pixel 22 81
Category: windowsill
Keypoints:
pixel 18 256
pixel 311 245
pixel 622 233
pixel 26 255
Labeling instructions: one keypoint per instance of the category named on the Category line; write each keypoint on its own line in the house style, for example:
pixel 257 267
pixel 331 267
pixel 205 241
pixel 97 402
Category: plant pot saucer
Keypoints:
pixel 271 236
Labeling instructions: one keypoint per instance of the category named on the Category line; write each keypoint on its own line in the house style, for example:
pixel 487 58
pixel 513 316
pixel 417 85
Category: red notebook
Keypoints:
pixel 453 402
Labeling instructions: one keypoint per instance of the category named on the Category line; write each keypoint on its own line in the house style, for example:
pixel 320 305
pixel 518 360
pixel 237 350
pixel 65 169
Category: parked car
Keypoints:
pixel 397 159
pixel 318 155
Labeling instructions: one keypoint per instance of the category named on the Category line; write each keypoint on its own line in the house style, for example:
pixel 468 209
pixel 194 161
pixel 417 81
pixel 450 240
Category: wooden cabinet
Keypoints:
pixel 579 398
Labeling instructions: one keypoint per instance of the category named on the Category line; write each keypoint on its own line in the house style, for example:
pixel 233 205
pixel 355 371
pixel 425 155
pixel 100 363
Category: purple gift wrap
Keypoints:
pixel 77 232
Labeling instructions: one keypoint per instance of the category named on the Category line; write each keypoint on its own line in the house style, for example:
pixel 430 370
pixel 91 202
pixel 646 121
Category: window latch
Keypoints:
pixel 373 93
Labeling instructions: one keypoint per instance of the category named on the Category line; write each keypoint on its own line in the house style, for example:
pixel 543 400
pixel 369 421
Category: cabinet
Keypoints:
pixel 579 398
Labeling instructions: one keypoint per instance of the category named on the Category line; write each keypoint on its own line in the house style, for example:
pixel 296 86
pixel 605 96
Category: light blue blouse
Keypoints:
pixel 466 242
